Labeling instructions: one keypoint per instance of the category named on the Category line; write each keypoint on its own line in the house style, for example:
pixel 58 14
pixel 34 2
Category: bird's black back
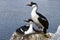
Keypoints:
pixel 24 28
pixel 43 20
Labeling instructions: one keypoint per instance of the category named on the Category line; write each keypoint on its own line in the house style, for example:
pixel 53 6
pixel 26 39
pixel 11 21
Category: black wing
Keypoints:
pixel 43 20
pixel 22 29
pixel 25 27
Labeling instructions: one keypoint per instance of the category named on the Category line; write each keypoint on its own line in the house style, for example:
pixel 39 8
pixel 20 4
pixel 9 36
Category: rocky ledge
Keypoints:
pixel 35 36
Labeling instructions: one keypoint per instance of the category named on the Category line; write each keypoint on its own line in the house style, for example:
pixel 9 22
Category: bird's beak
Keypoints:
pixel 25 20
pixel 29 5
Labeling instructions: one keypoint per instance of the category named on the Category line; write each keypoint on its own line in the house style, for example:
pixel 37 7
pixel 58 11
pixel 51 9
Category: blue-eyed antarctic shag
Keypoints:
pixel 26 29
pixel 38 18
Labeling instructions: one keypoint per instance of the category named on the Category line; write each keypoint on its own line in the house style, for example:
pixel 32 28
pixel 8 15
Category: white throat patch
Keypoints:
pixel 34 6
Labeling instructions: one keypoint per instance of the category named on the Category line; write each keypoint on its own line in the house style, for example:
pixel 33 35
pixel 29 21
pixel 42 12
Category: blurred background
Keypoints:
pixel 13 13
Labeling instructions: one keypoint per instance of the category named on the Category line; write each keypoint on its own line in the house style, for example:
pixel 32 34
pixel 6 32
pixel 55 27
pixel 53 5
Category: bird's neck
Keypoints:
pixel 34 9
pixel 31 26
pixel 33 13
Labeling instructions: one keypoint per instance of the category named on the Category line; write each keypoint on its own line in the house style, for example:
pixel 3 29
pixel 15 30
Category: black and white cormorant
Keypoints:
pixel 26 29
pixel 38 18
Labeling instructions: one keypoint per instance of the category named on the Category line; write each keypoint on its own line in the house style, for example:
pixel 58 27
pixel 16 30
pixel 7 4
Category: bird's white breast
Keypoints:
pixel 35 17
pixel 30 30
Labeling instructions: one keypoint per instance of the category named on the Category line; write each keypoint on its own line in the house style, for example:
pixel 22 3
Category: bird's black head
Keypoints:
pixel 28 20
pixel 31 4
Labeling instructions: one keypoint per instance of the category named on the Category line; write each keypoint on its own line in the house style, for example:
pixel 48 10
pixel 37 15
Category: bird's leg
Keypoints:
pixel 45 30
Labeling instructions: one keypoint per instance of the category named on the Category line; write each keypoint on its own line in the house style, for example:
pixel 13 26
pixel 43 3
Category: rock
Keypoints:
pixel 56 35
pixel 36 36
